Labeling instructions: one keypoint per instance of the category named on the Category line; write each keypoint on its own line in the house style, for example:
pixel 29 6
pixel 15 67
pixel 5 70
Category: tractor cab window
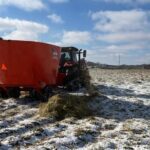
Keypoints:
pixel 65 56
pixel 74 57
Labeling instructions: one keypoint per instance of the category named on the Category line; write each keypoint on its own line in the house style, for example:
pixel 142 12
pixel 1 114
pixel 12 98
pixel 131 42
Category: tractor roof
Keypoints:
pixel 68 49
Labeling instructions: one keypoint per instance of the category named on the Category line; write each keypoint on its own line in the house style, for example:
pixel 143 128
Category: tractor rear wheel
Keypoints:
pixel 73 85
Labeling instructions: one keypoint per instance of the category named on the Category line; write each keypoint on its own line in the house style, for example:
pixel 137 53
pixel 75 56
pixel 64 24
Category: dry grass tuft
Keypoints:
pixel 61 106
pixel 81 132
pixel 93 91
pixel 86 79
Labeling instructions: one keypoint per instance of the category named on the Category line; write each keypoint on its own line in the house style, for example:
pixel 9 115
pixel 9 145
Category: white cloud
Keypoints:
pixel 114 21
pixel 125 37
pixel 122 32
pixel 55 18
pixel 122 26
pixel 27 5
pixel 75 38
pixel 120 49
pixel 126 1
pixel 124 48
pixel 130 54
pixel 21 29
pixel 145 59
pixel 59 1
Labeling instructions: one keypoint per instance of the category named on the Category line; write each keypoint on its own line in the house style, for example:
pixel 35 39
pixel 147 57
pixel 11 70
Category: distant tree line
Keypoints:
pixel 105 66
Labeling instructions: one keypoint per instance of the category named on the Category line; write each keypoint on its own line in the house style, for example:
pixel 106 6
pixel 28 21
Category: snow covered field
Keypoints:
pixel 121 118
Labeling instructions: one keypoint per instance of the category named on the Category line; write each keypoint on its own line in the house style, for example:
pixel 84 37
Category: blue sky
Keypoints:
pixel 106 28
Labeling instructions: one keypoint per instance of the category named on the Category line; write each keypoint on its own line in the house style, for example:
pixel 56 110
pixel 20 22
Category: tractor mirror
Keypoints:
pixel 84 53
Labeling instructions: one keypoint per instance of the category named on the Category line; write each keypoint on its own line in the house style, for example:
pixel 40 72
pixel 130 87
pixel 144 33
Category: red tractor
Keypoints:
pixel 38 68
pixel 70 68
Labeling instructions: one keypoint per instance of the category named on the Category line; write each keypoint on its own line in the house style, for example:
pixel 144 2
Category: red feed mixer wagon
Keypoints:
pixel 27 65
pixel 36 67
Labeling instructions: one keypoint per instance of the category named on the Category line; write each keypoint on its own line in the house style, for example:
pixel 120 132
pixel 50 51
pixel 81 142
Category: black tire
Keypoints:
pixel 77 85
pixel 73 86
pixel 3 94
pixel 33 93
pixel 42 95
pixel 69 87
pixel 46 93
pixel 14 92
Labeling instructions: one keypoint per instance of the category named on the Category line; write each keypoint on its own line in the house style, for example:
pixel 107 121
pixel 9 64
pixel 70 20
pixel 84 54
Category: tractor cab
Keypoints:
pixel 69 56
pixel 70 64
